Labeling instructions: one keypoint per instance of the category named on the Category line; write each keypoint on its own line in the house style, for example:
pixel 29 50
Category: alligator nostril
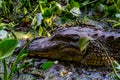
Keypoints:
pixel 96 34
pixel 66 37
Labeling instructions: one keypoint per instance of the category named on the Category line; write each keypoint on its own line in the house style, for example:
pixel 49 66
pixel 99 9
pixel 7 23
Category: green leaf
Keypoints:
pixel 116 65
pixel 43 32
pixel 117 15
pixel 117 3
pixel 75 11
pixel 74 3
pixel 47 65
pixel 24 53
pixel 47 12
pixel 5 70
pixel 86 2
pixel 7 47
pixel 84 42
pixel 58 8
pixel 0 78
pixel 1 27
pixel 37 20
pixel 116 25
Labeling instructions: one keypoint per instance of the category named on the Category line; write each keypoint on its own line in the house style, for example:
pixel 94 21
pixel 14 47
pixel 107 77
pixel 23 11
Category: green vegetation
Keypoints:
pixel 42 17
pixel 6 49
pixel 47 65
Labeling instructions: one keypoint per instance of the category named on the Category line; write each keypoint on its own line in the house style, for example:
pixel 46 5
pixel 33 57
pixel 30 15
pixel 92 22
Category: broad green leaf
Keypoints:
pixel 25 10
pixel 117 3
pixel 0 78
pixel 1 27
pixel 59 6
pixel 100 7
pixel 117 15
pixel 112 9
pixel 47 13
pixel 37 19
pixel 86 2
pixel 21 35
pixel 47 65
pixel 83 43
pixel 74 3
pixel 75 11
pixel 0 3
pixel 7 47
pixel 56 9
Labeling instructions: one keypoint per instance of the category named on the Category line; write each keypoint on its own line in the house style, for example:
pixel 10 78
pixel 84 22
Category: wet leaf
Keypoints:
pixel 117 15
pixel 47 65
pixel 37 19
pixel 3 34
pixel 7 47
pixel 75 11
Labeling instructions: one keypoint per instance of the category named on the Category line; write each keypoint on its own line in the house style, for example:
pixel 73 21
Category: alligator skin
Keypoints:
pixel 63 45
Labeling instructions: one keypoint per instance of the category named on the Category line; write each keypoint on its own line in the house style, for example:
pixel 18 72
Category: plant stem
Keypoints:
pixel 17 60
pixel 5 70
pixel 114 70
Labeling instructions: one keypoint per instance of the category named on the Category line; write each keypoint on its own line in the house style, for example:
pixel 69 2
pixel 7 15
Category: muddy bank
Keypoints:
pixel 60 70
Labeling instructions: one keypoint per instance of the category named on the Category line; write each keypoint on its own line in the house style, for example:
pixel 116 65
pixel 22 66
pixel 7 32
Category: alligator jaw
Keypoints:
pixel 62 50
pixel 63 44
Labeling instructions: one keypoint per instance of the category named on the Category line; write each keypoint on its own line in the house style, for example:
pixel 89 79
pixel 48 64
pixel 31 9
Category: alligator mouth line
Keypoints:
pixel 64 53
pixel 63 45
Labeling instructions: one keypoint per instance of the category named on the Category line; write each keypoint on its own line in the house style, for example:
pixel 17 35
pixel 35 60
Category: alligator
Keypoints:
pixel 63 45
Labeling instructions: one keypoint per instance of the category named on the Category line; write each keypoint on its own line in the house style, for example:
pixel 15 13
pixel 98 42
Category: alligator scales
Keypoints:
pixel 63 45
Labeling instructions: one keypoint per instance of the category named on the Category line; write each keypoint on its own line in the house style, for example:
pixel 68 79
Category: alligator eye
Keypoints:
pixel 96 34
pixel 110 38
pixel 117 40
pixel 102 35
pixel 72 37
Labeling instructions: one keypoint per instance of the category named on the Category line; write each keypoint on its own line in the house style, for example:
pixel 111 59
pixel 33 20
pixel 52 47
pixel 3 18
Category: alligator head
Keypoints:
pixel 63 44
